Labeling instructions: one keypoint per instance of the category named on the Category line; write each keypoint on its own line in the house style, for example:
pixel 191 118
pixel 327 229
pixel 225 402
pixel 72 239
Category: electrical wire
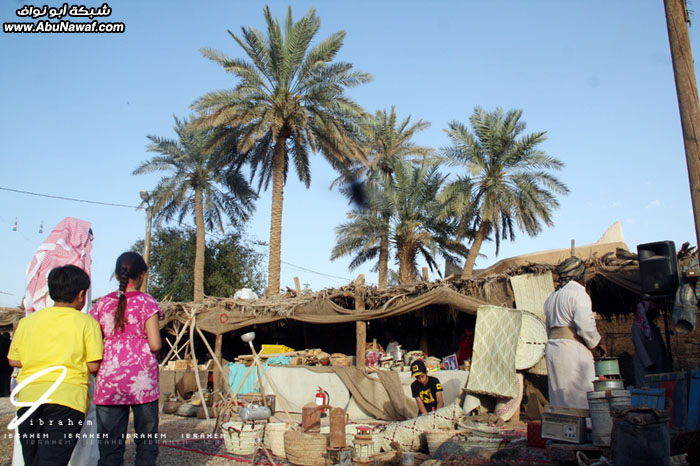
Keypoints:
pixel 317 273
pixel 69 198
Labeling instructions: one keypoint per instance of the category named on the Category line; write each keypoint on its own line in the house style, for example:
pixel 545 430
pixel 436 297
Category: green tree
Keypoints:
pixel 414 218
pixel 196 184
pixel 289 99
pixel 388 140
pixel 230 264
pixel 509 182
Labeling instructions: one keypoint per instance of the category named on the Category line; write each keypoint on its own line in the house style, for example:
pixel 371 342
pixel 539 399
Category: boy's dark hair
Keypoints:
pixel 66 282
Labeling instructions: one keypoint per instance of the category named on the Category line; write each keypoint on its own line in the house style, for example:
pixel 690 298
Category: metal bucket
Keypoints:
pixel 599 406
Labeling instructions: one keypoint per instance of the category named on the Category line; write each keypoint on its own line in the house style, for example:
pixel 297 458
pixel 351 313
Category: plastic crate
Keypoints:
pixel 649 397
pixel 694 400
pixel 675 385
pixel 272 349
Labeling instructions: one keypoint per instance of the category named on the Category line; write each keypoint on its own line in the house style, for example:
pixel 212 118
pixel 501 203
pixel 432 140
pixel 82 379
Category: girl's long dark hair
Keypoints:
pixel 130 265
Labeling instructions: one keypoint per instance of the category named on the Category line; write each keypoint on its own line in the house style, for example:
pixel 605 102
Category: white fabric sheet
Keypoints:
pixel 297 386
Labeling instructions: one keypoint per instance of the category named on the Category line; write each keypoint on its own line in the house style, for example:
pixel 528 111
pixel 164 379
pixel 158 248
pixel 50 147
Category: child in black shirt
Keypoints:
pixel 426 390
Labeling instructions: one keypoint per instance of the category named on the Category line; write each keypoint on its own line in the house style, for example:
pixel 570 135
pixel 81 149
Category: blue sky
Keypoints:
pixel 595 75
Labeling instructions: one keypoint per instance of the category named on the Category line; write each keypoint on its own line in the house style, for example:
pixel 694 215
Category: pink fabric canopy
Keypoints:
pixel 70 242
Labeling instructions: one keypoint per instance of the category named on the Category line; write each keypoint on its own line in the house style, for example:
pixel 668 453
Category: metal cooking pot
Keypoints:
pixel 606 366
pixel 604 385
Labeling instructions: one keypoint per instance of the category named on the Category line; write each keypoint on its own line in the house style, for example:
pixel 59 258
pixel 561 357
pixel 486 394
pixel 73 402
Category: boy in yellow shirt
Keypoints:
pixel 58 346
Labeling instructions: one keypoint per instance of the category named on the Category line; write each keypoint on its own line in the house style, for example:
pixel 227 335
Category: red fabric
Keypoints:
pixel 534 435
pixel 466 344
pixel 69 243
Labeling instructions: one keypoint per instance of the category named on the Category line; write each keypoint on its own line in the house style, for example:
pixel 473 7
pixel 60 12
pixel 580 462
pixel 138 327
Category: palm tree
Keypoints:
pixel 289 99
pixel 415 221
pixel 387 141
pixel 510 179
pixel 194 185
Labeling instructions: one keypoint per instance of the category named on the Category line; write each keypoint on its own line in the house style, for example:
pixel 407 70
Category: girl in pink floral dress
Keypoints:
pixel 128 377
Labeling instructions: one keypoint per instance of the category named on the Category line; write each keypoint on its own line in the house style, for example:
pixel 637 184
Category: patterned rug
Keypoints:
pixel 495 344
pixel 216 447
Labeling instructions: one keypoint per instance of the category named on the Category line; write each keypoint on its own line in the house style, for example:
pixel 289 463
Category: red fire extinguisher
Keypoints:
pixel 322 398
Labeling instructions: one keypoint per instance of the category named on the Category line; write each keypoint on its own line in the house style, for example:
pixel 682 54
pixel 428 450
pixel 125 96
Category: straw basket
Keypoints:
pixel 274 438
pixel 491 444
pixel 437 437
pixel 306 449
pixel 240 438
pixel 339 359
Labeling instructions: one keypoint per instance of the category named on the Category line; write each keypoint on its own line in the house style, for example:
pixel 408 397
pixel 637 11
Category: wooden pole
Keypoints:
pixel 218 376
pixel 425 274
pixel 573 247
pixel 177 340
pixel 687 92
pixel 297 285
pixel 360 325
pixel 196 368
pixel 216 360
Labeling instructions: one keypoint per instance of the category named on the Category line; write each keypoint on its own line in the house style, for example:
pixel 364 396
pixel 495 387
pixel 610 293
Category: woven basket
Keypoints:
pixel 240 438
pixel 274 438
pixel 339 359
pixel 305 449
pixel 491 444
pixel 437 437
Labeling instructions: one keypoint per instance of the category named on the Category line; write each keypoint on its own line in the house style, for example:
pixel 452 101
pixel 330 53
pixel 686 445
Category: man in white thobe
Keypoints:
pixel 572 336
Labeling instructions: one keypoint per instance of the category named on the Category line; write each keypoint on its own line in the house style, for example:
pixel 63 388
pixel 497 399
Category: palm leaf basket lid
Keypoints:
pixel 239 437
pixel 305 448
pixel 532 341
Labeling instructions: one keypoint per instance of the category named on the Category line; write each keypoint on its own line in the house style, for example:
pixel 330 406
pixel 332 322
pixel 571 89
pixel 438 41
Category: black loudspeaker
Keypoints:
pixel 658 269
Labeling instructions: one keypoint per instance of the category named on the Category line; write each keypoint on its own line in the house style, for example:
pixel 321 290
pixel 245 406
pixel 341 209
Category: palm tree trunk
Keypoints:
pixel 199 245
pixel 406 265
pixel 474 250
pixel 384 256
pixel 280 156
pixel 383 263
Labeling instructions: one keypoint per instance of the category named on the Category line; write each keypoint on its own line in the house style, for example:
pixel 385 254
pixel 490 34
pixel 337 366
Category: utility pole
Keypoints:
pixel 146 198
pixel 687 90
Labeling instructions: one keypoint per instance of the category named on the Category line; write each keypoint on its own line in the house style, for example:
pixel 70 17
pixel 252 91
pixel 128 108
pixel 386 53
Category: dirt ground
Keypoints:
pixel 172 428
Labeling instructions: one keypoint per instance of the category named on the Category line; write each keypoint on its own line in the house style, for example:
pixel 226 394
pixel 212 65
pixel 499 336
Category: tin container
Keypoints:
pixel 607 366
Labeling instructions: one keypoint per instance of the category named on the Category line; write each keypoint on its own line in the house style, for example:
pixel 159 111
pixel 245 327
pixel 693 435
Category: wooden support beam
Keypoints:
pixel 218 376
pixel 425 274
pixel 573 248
pixel 297 285
pixel 360 325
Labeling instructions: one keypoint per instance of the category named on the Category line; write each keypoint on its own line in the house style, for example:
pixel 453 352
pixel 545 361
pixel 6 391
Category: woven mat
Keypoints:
pixel 493 359
pixel 531 291
pixel 216 447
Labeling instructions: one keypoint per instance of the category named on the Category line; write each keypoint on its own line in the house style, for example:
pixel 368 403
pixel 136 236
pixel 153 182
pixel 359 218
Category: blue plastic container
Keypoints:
pixel 694 400
pixel 649 397
pixel 676 386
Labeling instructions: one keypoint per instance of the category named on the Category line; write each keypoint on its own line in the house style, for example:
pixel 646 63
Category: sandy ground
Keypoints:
pixel 171 427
